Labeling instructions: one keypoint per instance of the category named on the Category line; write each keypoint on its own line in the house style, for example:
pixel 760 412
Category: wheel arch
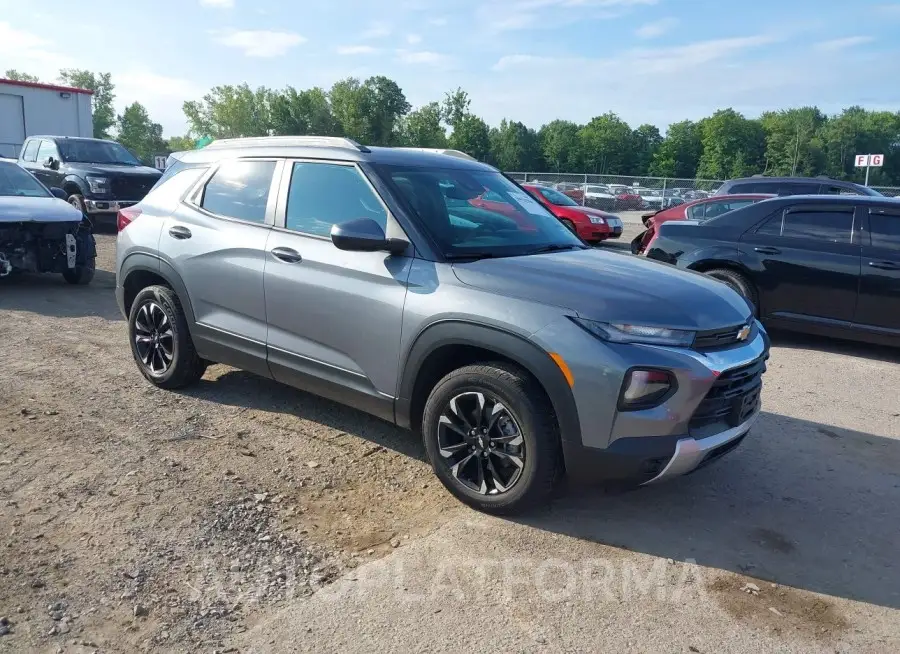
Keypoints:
pixel 73 185
pixel 448 345
pixel 141 270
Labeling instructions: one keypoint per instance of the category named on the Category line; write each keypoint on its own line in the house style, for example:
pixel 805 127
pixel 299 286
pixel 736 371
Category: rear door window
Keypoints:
pixel 885 230
pixel 813 225
pixel 240 190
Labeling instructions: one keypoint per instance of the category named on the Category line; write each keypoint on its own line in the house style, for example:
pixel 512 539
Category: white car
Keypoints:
pixel 598 196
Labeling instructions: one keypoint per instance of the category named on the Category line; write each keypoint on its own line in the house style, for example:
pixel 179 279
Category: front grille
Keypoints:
pixel 715 338
pixel 131 187
pixel 733 398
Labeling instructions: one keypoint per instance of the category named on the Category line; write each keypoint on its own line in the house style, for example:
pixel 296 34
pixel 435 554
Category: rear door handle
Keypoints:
pixel 767 250
pixel 179 232
pixel 287 255
pixel 884 265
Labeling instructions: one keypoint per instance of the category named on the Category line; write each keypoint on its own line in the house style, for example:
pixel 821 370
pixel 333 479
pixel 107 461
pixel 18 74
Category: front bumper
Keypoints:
pixel 107 206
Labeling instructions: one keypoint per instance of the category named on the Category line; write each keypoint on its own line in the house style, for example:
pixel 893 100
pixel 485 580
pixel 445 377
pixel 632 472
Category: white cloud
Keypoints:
pixel 844 43
pixel 356 50
pixel 377 30
pixel 656 28
pixel 423 57
pixel 259 43
pixel 440 21
pixel 31 53
pixel 413 39
pixel 513 15
pixel 218 4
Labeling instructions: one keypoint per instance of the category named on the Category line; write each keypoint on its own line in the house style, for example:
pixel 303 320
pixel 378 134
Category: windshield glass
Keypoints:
pixel 102 152
pixel 449 203
pixel 559 199
pixel 17 181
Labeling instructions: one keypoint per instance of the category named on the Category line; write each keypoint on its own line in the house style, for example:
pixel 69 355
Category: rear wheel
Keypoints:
pixel 739 283
pixel 160 340
pixel 492 439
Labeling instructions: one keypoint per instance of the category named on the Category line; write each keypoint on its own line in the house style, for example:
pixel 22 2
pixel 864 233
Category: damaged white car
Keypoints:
pixel 39 231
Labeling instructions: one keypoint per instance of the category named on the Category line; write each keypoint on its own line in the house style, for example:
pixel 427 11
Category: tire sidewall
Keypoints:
pixel 521 410
pixel 159 295
pixel 738 284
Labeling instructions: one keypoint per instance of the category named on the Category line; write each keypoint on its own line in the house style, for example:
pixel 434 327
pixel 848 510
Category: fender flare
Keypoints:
pixel 506 344
pixel 727 255
pixel 76 181
pixel 142 261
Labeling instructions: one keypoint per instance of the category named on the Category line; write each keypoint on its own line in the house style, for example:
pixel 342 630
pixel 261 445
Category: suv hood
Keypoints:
pixel 610 287
pixel 15 209
pixel 113 169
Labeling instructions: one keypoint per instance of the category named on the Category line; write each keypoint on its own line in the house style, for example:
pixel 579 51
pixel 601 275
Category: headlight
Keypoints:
pixel 597 220
pixel 98 185
pixel 625 333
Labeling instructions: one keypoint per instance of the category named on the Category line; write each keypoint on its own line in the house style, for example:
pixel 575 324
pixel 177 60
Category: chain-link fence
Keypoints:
pixel 617 192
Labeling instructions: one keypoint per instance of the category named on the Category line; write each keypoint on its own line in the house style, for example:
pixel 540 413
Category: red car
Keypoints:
pixel 591 225
pixel 699 210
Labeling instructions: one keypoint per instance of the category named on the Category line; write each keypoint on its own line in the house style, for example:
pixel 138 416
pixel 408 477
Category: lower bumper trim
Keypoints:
pixel 107 206
pixel 691 453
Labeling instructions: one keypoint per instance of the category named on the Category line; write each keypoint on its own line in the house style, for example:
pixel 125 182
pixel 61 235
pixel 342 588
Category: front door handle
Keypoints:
pixel 767 250
pixel 179 232
pixel 884 265
pixel 287 255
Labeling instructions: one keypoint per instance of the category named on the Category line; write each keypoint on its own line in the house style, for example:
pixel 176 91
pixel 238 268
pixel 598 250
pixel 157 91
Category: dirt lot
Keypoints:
pixel 133 519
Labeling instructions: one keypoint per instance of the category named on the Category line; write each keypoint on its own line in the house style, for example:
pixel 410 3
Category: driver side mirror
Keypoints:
pixel 51 163
pixel 59 193
pixel 365 235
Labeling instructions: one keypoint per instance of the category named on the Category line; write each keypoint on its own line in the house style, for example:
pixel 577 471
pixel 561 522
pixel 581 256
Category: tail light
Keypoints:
pixel 125 217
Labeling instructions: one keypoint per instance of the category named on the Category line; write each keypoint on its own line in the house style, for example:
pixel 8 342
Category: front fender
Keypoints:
pixel 78 182
pixel 506 344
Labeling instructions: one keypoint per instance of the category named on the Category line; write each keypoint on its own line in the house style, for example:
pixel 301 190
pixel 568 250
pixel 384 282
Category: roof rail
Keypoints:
pixel 450 153
pixel 288 141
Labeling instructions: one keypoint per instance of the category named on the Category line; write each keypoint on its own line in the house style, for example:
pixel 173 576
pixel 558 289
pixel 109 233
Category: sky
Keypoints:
pixel 650 61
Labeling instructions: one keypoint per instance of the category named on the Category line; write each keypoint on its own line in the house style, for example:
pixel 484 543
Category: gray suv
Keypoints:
pixel 369 276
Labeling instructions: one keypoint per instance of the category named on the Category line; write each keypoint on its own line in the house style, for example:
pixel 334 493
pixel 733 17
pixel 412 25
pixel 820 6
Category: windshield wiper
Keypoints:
pixel 555 247
pixel 470 256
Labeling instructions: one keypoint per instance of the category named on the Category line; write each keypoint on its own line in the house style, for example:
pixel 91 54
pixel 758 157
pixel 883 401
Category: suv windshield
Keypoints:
pixel 448 201
pixel 103 152
pixel 559 199
pixel 16 181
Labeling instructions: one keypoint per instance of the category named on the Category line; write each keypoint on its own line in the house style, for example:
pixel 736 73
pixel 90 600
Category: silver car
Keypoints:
pixel 369 276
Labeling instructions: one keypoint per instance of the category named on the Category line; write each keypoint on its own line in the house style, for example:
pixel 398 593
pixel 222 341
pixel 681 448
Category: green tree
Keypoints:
pixel 607 145
pixel 17 76
pixel 793 141
pixel 231 112
pixel 140 134
pixel 679 153
pixel 733 146
pixel 179 143
pixel 559 145
pixel 515 147
pixel 472 136
pixel 422 128
pixel 101 101
pixel 857 131
pixel 303 112
pixel 456 107
pixel 647 140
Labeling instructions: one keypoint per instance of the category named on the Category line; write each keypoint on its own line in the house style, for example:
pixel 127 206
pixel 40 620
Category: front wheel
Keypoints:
pixel 83 274
pixel 492 439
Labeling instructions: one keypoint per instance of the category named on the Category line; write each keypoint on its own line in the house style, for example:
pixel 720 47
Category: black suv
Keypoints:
pixel 99 177
pixel 793 186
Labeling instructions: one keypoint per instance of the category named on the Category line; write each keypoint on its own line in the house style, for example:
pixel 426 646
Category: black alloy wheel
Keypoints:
pixel 154 338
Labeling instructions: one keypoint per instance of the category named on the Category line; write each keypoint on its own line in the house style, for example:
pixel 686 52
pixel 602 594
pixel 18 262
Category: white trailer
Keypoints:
pixel 28 108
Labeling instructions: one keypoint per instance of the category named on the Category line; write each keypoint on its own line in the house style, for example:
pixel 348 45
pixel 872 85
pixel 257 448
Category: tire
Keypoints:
pixel 568 224
pixel 77 201
pixel 739 283
pixel 636 243
pixel 81 275
pixel 527 414
pixel 175 363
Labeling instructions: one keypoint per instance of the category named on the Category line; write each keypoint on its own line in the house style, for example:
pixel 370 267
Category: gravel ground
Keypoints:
pixel 243 514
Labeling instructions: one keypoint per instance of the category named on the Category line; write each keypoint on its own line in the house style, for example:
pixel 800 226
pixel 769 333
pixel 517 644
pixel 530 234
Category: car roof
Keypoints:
pixel 51 137
pixel 732 196
pixel 796 180
pixel 327 147
pixel 834 199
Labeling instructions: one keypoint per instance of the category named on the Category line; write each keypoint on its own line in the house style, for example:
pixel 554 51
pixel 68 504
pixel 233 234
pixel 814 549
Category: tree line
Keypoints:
pixel 802 141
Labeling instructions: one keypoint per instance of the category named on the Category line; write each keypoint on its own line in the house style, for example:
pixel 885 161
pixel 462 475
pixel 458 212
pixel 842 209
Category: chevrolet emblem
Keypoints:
pixel 744 334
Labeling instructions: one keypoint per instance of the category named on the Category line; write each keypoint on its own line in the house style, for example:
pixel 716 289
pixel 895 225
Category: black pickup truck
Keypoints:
pixel 99 177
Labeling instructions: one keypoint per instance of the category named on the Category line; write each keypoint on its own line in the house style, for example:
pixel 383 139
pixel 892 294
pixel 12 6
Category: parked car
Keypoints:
pixel 598 196
pixel 821 264
pixel 698 210
pixel 39 231
pixel 628 199
pixel 590 225
pixel 658 199
pixel 574 191
pixel 99 177
pixel 515 354
pixel 794 186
